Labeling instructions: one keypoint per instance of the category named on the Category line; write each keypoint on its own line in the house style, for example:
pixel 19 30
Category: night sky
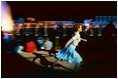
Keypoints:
pixel 62 10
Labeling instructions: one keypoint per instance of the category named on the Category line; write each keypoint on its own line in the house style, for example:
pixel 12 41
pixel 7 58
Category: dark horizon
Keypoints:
pixel 62 10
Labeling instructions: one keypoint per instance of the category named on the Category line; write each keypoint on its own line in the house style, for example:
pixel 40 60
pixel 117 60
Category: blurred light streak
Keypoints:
pixel 6 17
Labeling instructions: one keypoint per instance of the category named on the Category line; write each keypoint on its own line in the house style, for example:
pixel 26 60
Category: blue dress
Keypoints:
pixel 70 54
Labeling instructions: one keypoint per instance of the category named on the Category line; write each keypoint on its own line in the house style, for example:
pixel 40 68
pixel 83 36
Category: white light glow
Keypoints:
pixel 6 18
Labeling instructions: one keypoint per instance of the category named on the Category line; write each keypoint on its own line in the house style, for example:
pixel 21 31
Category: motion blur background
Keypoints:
pixel 55 19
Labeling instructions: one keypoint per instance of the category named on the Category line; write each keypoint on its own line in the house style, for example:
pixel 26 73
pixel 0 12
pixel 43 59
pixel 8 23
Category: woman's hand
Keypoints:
pixel 65 47
pixel 83 39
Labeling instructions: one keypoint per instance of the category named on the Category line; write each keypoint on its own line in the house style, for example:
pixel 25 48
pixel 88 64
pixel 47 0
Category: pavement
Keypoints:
pixel 63 64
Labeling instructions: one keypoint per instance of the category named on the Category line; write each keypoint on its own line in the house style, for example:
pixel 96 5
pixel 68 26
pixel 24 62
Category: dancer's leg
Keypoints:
pixel 76 68
pixel 55 62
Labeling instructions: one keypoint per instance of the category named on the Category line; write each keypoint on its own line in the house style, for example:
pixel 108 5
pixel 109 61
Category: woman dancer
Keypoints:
pixel 69 53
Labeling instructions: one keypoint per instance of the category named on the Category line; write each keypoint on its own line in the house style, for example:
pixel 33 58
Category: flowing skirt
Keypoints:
pixel 69 54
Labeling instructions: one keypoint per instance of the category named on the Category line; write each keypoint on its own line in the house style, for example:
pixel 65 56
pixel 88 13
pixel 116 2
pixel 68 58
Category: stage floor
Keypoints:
pixel 99 61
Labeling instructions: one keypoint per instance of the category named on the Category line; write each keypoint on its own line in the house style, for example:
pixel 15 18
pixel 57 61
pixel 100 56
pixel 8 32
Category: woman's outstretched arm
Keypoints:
pixel 83 39
pixel 68 43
